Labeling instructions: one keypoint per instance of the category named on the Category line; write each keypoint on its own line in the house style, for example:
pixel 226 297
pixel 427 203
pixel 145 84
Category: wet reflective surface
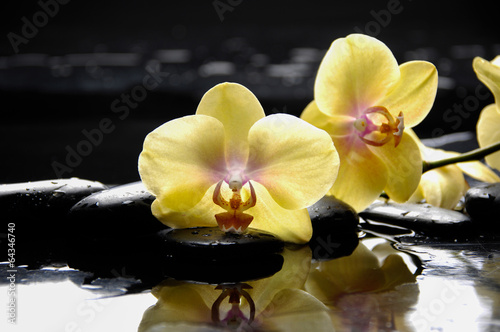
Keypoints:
pixel 383 285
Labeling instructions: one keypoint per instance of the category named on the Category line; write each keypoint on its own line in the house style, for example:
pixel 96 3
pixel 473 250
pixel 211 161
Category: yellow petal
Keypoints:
pixel 444 186
pixel 479 171
pixel 358 272
pixel 474 169
pixel 289 225
pixel 356 72
pixel 362 175
pixel 404 165
pixel 201 215
pixel 293 310
pixel 238 109
pixel 489 73
pixel 396 272
pixel 414 93
pixel 296 162
pixel 335 125
pixel 182 158
pixel 488 133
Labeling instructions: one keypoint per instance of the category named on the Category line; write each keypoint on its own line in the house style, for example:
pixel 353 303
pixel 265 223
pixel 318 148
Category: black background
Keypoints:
pixel 47 103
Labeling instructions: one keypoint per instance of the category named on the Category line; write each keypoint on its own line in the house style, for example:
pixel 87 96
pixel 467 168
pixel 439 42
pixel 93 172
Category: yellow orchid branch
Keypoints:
pixel 476 154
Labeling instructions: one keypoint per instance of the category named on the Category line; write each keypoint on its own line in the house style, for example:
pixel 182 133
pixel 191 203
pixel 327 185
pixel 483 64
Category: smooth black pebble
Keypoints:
pixel 121 211
pixel 482 203
pixel 421 218
pixel 335 228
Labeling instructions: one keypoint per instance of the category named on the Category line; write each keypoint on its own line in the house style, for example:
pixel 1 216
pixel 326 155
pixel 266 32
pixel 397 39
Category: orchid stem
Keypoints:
pixel 476 154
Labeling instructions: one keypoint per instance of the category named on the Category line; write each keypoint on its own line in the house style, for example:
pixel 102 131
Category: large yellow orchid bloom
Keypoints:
pixel 364 100
pixel 207 169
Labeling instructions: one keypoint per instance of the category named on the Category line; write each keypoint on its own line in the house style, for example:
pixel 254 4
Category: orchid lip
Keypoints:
pixel 234 220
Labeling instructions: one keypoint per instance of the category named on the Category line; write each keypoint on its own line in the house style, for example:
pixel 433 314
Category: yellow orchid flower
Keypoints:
pixel 488 125
pixel 228 159
pixel 445 186
pixel 364 100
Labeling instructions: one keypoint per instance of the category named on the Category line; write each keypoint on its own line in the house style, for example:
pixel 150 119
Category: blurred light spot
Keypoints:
pixel 173 56
pixel 217 68
pixel 467 51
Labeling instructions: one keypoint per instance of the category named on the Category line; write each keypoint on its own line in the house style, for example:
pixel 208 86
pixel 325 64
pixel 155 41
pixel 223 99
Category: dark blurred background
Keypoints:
pixel 83 82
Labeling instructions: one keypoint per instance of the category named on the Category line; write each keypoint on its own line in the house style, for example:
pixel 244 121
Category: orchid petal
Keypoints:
pixel 289 225
pixel 238 109
pixel 182 158
pixel 296 162
pixel 404 164
pixel 336 125
pixel 444 186
pixel 294 310
pixel 488 72
pixel 356 72
pixel 414 93
pixel 362 175
pixel 474 169
pixel 488 133
pixel 358 272
pixel 479 171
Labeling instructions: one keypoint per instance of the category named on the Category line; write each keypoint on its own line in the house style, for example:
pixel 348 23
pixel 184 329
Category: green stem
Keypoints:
pixel 476 154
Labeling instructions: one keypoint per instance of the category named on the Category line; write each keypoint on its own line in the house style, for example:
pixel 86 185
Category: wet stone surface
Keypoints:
pixel 482 203
pixel 221 256
pixel 50 197
pixel 213 243
pixel 335 227
pixel 421 218
pixel 123 210
pixel 39 211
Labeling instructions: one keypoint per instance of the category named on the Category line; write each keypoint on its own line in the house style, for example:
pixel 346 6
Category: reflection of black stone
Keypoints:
pixel 119 211
pixel 335 226
pixel 39 211
pixel 482 203
pixel 421 218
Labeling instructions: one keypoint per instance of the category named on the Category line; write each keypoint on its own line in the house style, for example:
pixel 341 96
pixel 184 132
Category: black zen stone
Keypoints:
pixel 213 243
pixel 207 254
pixel 44 198
pixel 482 203
pixel 38 213
pixel 335 226
pixel 330 215
pixel 421 218
pixel 121 211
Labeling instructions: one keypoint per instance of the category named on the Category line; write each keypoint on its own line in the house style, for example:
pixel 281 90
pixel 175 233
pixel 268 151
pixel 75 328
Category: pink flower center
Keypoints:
pixel 376 126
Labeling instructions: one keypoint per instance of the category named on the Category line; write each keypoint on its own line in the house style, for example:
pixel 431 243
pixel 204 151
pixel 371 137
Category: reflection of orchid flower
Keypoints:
pixel 364 271
pixel 230 154
pixel 276 303
pixel 364 100
pixel 359 288
pixel 445 186
pixel 488 131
